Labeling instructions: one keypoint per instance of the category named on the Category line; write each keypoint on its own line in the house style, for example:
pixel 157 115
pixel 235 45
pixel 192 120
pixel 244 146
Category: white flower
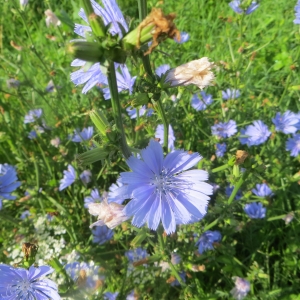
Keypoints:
pixel 109 214
pixel 23 2
pixel 51 18
pixel 196 72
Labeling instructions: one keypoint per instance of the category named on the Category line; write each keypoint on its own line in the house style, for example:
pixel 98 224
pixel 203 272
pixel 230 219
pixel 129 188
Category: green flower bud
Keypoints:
pixel 92 156
pixel 88 51
pixel 141 99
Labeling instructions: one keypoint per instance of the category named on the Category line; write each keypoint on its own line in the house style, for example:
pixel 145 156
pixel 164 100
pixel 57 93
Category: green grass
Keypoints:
pixel 257 54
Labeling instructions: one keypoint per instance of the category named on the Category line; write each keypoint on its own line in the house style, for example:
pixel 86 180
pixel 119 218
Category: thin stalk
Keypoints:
pixel 165 123
pixel 113 87
pixel 237 187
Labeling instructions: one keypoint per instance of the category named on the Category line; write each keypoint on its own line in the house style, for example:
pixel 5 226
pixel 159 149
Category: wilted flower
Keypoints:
pixel 85 135
pixel 293 145
pixel 12 83
pixel 86 275
pixel 287 123
pixel 184 37
pixel 51 18
pixel 161 70
pixel 85 176
pixel 159 133
pixel 256 134
pixel 8 182
pixel 197 72
pixel 68 179
pixel 255 210
pixel 201 104
pixel 262 190
pixel 224 130
pixel 33 115
pixel 220 149
pixel 207 239
pixel 297 13
pixel 55 142
pixel 230 94
pixel 19 283
pixel 109 214
pixel 95 197
pixel 236 6
pixel 102 234
pixel 163 189
pixel 289 218
pixel 228 191
pixel 50 87
pixel 241 289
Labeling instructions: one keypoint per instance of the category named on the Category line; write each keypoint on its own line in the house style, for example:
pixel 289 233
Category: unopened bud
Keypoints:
pixel 141 99
pixel 88 51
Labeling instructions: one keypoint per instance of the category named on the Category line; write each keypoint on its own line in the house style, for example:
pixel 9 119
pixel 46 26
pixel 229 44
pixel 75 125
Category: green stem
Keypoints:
pixel 237 187
pixel 165 122
pixel 113 87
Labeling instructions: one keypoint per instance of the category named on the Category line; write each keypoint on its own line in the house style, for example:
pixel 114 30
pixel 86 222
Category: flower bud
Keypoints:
pixel 141 99
pixel 88 51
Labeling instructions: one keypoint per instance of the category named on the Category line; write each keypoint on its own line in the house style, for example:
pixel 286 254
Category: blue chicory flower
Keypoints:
pixel 228 191
pixel 207 239
pixel 241 289
pixel 287 123
pixel 85 135
pixel 94 198
pixel 85 176
pixel 110 295
pixel 293 145
pixel 8 182
pixel 255 210
pixel 92 276
pixel 136 254
pixel 32 135
pixel 224 130
pixel 176 282
pixel 262 190
pixel 19 283
pixel 110 14
pixel 33 115
pixel 13 83
pixel 68 179
pixel 230 94
pixel 50 88
pixel 297 13
pixel 164 189
pixel 131 296
pixel 220 149
pixel 175 258
pixel 25 214
pixel 133 113
pixel 256 134
pixel 102 234
pixel 161 70
pixel 201 104
pixel 184 37
pixel 159 134
pixel 235 5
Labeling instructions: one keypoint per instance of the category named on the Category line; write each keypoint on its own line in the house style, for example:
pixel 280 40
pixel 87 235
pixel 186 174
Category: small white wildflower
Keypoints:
pixel 241 289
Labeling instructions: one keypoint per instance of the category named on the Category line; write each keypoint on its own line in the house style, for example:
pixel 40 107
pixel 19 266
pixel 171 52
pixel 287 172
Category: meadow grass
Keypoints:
pixel 257 54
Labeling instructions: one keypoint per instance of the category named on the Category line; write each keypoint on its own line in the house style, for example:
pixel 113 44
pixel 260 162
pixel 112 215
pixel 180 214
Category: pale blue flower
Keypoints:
pixel 85 176
pixel 143 110
pixel 241 289
pixel 164 189
pixel 68 179
pixel 224 130
pixel 175 258
pixel 13 83
pixel 297 13
pixel 8 182
pixel 91 272
pixel 19 283
pixel 102 234
pixel 161 70
pixel 228 192
pixel 50 88
pixel 184 37
pixel 207 239
pixel 175 282
pixel 220 149
pixel 262 190
pixel 131 296
pixel 293 145
pixel 159 134
pixel 255 134
pixel 287 123
pixel 25 214
pixel 136 254
pixel 94 198
pixel 33 115
pixel 115 190
pixel 230 94
pixel 110 296
pixel 32 135
pixel 85 135
pixel 255 210
pixel 235 5
pixel 201 104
